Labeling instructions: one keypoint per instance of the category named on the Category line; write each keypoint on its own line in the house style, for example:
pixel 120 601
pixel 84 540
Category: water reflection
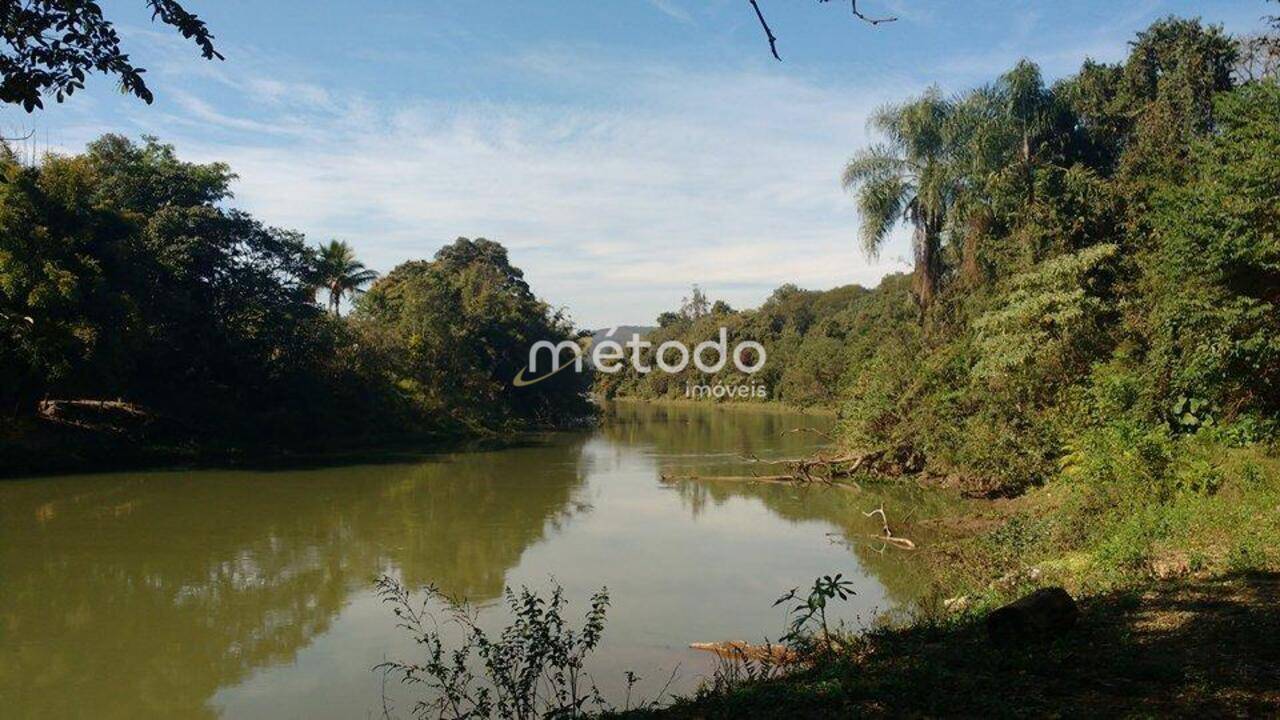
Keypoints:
pixel 163 587
pixel 190 594
pixel 692 440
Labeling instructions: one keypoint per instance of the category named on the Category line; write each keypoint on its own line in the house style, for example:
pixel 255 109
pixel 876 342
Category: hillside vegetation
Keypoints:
pixel 1097 268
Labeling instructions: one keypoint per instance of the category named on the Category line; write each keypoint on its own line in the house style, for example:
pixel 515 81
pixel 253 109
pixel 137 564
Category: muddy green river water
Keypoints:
pixel 249 593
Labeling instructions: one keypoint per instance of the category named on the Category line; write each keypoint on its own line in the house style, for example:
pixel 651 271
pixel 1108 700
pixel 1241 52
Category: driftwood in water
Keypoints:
pixel 1042 615
pixel 826 470
pixel 815 431
pixel 116 416
pixel 765 479
pixel 888 537
pixel 739 650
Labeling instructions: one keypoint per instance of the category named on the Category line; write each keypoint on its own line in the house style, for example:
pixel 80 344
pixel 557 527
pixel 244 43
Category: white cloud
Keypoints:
pixel 672 9
pixel 666 178
pixel 614 189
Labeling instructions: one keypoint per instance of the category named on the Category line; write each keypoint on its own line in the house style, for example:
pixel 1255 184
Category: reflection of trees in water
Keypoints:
pixel 681 436
pixel 144 594
pixel 898 571
pixel 152 591
pixel 464 523
pixel 706 437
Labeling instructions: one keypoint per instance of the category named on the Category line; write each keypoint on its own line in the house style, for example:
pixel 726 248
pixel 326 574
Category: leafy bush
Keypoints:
pixel 535 667
pixel 1215 272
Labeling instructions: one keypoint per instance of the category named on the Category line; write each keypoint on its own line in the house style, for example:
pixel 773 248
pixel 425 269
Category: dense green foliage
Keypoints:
pixel 459 329
pixel 1096 251
pixel 124 274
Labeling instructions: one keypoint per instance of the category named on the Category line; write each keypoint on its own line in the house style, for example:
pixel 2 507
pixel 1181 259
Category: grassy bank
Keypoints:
pixel 1090 332
pixel 1177 590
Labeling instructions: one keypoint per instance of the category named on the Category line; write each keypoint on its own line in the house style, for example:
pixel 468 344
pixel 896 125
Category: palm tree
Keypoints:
pixel 1029 107
pixel 984 143
pixel 908 177
pixel 1000 138
pixel 339 272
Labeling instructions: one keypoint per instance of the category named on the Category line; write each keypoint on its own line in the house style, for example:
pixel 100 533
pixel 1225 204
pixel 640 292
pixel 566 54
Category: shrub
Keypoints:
pixel 534 668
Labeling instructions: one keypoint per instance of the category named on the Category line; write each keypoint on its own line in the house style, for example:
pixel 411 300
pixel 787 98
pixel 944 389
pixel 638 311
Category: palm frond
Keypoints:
pixel 364 277
pixel 874 163
pixel 880 206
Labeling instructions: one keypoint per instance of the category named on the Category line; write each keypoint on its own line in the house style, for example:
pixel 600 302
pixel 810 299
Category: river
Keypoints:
pixel 248 593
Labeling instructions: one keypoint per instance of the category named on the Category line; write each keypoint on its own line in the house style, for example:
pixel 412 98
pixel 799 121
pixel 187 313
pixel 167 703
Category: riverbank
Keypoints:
pixel 1180 648
pixel 1178 593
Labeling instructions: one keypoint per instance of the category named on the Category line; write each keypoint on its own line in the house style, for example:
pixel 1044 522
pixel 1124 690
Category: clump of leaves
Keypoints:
pixel 533 668
pixel 812 609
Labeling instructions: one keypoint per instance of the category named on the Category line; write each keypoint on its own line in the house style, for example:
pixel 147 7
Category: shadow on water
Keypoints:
pixel 98 454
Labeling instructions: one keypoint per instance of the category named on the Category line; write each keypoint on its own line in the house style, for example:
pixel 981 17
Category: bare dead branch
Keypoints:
pixel 888 537
pixel 773 40
pixel 768 33
pixel 864 18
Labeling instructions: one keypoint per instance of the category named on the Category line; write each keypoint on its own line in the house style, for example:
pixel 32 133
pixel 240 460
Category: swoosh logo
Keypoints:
pixel 521 381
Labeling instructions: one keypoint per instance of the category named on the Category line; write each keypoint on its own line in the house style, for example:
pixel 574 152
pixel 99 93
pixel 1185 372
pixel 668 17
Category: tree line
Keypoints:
pixel 126 275
pixel 1095 261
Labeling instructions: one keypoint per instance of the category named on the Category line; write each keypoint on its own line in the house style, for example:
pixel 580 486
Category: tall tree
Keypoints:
pixel 909 177
pixel 339 272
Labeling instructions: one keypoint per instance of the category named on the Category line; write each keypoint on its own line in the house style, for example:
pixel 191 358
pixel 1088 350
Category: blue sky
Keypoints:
pixel 621 149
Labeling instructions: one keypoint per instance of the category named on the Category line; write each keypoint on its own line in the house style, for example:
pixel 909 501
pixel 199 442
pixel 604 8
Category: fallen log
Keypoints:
pixel 739 650
pixel 1042 615
pixel 114 416
pixel 753 479
pixel 779 479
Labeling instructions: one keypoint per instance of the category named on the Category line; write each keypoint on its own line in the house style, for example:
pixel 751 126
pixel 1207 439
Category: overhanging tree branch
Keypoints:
pixel 773 40
pixel 49 47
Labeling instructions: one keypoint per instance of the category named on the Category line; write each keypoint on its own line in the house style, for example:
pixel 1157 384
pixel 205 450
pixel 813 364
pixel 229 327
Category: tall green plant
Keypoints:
pixel 909 176
pixel 340 273
pixel 534 668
